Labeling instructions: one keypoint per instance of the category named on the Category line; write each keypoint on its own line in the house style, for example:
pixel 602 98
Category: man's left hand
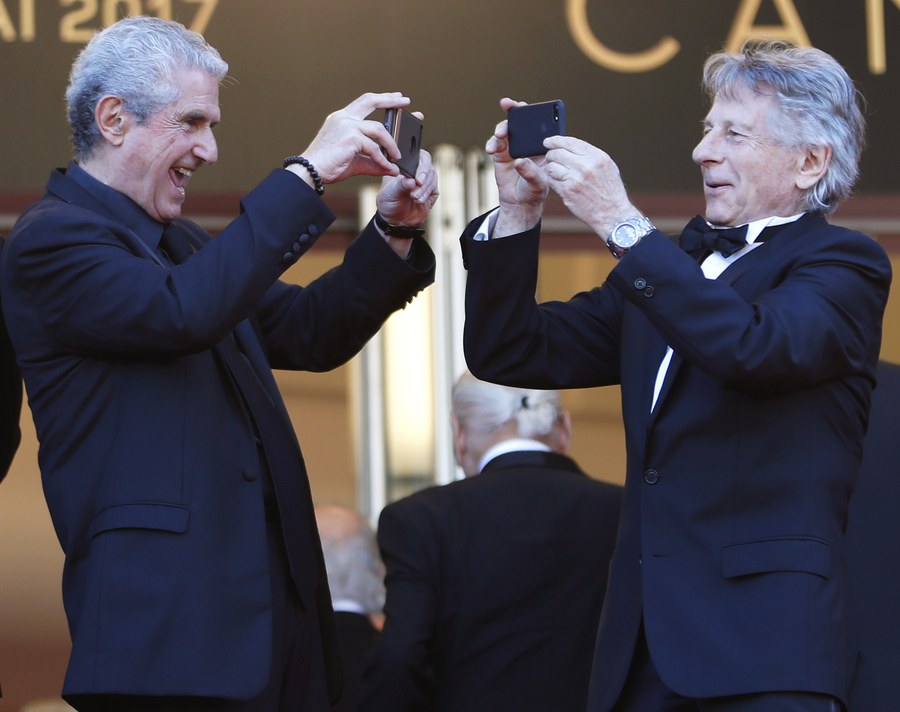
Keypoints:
pixel 589 183
pixel 408 201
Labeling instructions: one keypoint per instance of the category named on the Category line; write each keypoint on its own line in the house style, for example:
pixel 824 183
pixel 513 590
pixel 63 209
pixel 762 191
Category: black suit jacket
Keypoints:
pixel 150 463
pixel 873 555
pixel 731 545
pixel 356 638
pixel 10 397
pixel 494 589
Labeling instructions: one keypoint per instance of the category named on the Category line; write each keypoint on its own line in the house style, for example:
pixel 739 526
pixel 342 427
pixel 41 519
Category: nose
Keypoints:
pixel 207 150
pixel 705 150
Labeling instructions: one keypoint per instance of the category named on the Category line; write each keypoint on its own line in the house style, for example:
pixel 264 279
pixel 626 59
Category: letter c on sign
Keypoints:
pixel 662 52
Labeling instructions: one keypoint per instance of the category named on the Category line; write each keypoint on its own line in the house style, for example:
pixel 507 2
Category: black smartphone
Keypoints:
pixel 406 130
pixel 529 125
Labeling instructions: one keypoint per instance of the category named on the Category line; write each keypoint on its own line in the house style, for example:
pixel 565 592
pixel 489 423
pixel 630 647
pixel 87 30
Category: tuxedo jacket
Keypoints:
pixel 873 555
pixel 149 461
pixel 731 543
pixel 494 589
pixel 10 398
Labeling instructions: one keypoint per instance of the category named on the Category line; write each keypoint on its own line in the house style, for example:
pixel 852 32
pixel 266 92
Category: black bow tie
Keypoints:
pixel 698 238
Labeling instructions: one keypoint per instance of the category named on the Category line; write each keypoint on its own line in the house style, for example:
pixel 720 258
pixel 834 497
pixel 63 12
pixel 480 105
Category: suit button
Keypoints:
pixel 313 230
pixel 248 475
pixel 295 248
pixel 651 477
pixel 304 238
pixel 648 291
pixel 287 258
pixel 640 283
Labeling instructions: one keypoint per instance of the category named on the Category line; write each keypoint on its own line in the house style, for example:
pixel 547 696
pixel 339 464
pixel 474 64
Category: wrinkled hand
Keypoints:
pixel 349 144
pixel 589 183
pixel 522 183
pixel 407 201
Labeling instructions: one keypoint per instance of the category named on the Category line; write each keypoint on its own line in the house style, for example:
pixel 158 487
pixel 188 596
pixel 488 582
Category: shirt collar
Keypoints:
pixel 129 213
pixel 755 228
pixel 512 445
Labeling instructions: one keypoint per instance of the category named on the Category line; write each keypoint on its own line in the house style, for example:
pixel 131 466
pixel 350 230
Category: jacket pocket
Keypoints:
pixel 141 515
pixel 796 554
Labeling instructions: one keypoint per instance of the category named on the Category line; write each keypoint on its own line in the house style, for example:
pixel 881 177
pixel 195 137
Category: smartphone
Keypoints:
pixel 406 130
pixel 529 125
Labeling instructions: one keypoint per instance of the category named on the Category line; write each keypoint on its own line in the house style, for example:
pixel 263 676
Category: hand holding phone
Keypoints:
pixel 406 131
pixel 530 124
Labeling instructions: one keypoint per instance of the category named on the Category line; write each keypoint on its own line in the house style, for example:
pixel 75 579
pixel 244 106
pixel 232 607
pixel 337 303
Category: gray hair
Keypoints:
pixel 819 105
pixel 135 59
pixel 484 407
pixel 353 565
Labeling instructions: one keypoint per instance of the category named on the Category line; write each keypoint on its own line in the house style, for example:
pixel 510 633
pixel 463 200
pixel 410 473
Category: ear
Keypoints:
pixel 564 432
pixel 816 160
pixel 111 119
pixel 459 440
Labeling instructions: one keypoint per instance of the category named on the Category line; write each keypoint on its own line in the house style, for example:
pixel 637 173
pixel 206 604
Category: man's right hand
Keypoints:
pixel 349 144
pixel 522 183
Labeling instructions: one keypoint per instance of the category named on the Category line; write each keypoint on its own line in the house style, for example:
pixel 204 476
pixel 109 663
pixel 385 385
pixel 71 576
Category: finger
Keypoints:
pixel 506 103
pixel 495 146
pixel 370 148
pixel 425 171
pixel 428 188
pixel 364 105
pixel 378 133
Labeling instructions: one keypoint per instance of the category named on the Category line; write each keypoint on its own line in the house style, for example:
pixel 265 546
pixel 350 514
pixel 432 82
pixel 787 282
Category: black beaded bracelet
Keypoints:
pixel 291 160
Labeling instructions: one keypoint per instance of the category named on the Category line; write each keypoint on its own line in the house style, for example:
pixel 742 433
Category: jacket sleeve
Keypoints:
pixel 322 325
pixel 511 339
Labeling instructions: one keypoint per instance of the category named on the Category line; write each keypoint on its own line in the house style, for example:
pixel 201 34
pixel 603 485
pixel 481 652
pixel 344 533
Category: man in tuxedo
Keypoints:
pixel 356 580
pixel 495 582
pixel 746 361
pixel 193 573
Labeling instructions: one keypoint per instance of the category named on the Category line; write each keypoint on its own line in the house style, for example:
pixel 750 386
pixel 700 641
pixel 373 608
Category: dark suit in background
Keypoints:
pixel 873 555
pixel 494 587
pixel 356 580
pixel 10 397
pixel 356 635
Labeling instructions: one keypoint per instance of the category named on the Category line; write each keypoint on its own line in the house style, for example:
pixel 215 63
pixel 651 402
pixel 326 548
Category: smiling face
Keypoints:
pixel 748 174
pixel 153 161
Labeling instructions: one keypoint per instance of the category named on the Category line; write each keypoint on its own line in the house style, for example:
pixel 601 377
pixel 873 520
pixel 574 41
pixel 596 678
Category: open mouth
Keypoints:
pixel 180 177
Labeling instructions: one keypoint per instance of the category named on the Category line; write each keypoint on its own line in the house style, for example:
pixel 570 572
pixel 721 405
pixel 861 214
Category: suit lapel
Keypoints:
pixel 249 343
pixel 762 257
pixel 70 192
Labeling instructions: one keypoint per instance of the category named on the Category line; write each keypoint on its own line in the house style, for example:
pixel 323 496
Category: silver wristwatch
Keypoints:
pixel 628 233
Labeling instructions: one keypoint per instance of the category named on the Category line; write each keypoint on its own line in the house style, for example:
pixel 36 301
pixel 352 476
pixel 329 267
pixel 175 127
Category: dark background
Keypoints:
pixel 294 61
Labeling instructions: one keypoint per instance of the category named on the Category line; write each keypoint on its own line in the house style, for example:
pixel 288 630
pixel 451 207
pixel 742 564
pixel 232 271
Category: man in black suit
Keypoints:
pixel 495 582
pixel 356 580
pixel 873 556
pixel 746 359
pixel 193 573
pixel 10 397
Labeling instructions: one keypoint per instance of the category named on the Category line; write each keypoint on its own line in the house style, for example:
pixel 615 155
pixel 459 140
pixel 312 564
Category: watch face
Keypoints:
pixel 626 235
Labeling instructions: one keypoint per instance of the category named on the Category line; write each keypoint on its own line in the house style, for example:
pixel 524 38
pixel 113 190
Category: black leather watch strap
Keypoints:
pixel 405 231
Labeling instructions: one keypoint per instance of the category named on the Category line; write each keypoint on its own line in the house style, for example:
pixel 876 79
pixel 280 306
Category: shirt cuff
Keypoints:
pixel 486 229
